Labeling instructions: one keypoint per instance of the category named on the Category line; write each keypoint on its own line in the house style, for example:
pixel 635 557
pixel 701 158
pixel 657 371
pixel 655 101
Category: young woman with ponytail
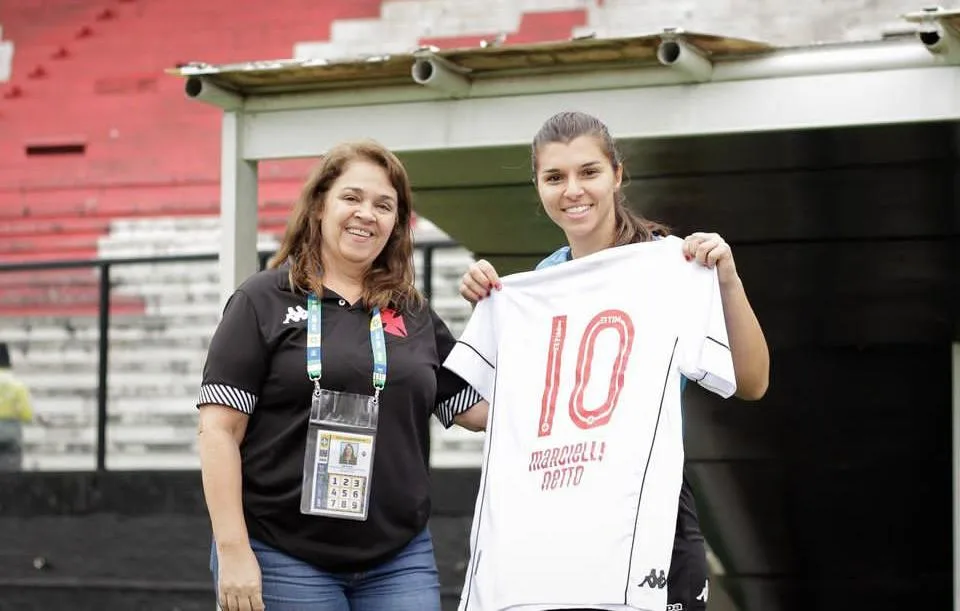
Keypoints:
pixel 578 172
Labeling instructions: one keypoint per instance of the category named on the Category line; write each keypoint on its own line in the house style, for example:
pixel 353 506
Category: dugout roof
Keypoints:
pixel 462 119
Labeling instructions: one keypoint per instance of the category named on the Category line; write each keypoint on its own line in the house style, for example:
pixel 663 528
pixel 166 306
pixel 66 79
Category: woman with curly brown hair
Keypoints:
pixel 330 347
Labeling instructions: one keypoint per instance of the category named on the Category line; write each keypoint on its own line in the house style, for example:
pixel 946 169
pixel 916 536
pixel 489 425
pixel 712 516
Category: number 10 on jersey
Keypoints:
pixel 585 418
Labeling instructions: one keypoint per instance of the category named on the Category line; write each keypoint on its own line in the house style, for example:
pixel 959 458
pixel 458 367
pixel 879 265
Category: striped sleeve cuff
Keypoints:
pixel 222 394
pixel 456 405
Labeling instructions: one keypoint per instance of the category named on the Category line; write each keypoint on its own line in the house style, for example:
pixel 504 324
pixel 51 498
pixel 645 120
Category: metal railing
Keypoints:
pixel 104 266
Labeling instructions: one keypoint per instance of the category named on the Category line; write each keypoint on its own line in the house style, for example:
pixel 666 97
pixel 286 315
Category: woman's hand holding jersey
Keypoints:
pixel 751 359
pixel 710 250
pixel 478 281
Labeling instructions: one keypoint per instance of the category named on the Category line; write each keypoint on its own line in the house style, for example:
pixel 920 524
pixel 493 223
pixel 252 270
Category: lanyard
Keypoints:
pixel 377 341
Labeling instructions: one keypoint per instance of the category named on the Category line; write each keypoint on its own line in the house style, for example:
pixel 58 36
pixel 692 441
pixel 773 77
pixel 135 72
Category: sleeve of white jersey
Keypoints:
pixel 706 357
pixel 474 358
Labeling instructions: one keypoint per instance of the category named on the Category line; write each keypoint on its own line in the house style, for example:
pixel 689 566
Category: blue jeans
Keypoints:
pixel 407 582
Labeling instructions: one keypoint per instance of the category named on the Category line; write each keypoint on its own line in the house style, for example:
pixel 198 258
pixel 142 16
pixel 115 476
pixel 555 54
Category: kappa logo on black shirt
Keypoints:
pixel 297 314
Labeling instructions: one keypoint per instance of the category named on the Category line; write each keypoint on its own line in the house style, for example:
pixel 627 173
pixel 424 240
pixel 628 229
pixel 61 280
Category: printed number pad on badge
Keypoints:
pixel 345 492
pixel 339 455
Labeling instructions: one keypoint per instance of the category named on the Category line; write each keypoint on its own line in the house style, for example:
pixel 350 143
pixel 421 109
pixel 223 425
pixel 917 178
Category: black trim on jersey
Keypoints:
pixel 646 468
pixel 483 358
pixel 718 342
pixel 478 551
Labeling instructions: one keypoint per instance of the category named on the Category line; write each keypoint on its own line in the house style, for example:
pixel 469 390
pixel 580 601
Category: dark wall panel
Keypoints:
pixel 758 152
pixel 887 201
pixel 141 540
pixel 853 293
pixel 835 485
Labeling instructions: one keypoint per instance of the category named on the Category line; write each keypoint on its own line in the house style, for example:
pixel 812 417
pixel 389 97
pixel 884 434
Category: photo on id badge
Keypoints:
pixel 342 472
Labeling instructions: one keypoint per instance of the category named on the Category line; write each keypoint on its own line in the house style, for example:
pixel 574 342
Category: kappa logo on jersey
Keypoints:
pixel 705 592
pixel 393 322
pixel 297 314
pixel 675 607
pixel 654 580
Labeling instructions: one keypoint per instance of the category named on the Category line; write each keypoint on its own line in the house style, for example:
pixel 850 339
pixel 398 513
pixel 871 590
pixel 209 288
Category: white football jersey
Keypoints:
pixel 581 364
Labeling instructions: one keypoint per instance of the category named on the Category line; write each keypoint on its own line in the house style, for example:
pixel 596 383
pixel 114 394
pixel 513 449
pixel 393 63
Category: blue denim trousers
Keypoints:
pixel 407 582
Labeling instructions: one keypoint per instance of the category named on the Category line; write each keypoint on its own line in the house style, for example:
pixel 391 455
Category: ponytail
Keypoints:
pixel 631 228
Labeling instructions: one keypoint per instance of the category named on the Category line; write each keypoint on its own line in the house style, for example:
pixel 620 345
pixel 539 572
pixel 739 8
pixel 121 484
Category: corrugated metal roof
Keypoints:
pixel 290 75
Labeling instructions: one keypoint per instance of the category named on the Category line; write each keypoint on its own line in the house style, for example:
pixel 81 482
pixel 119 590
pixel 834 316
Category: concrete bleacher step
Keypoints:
pixel 85 460
pixel 73 241
pixel 81 411
pixel 93 207
pixel 172 227
pixel 86 327
pixel 100 206
pixel 138 445
pixel 32 256
pixel 403 25
pixel 28 227
pixel 85 308
pixel 193 336
pixel 54 278
pixel 198 272
pixel 53 383
pixel 621 18
pixel 180 359
pixel 133 389
pixel 138 435
pixel 180 243
pixel 162 293
pixel 82 457
pixel 165 307
pixel 65 295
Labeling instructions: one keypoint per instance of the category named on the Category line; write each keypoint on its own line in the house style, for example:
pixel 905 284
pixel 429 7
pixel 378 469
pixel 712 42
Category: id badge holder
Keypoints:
pixel 338 462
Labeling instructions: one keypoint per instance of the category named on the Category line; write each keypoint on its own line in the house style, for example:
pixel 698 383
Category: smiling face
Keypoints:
pixel 359 215
pixel 578 184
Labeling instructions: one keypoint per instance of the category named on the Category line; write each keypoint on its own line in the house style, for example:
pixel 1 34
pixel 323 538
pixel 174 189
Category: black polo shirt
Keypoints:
pixel 257 364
